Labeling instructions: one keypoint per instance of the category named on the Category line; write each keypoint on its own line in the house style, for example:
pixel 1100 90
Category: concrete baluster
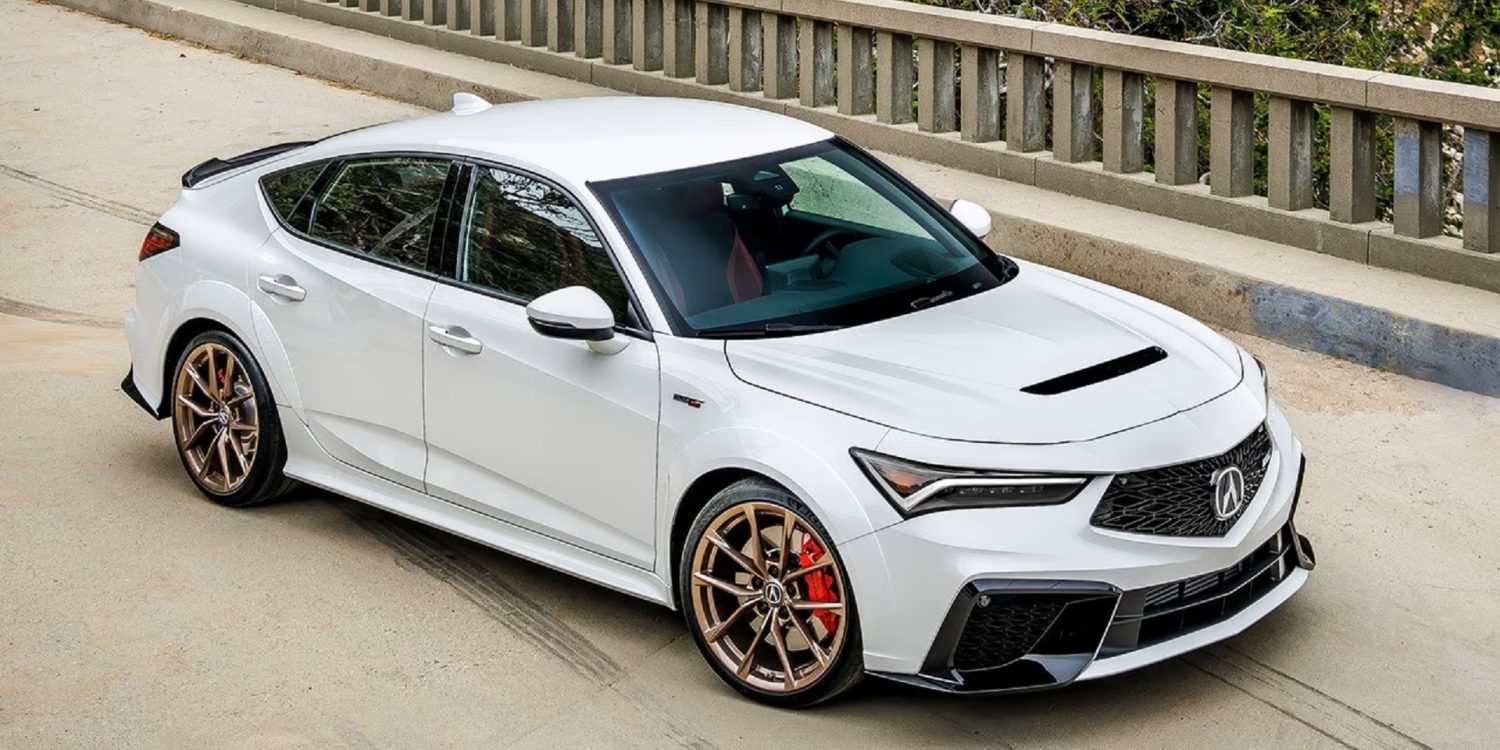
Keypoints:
pixel 1123 102
pixel 645 36
pixel 508 20
pixel 435 12
pixel 1176 132
pixel 895 75
pixel 979 87
pixel 1418 178
pixel 534 23
pixel 712 43
pixel 1072 111
pixel 815 62
pixel 616 23
pixel 779 55
pixel 482 17
pixel 1351 165
pixel 935 86
pixel 561 35
pixel 677 38
pixel 458 14
pixel 856 92
pixel 1289 154
pixel 745 49
pixel 390 7
pixel 1025 103
pixel 1481 191
pixel 1231 143
pixel 588 27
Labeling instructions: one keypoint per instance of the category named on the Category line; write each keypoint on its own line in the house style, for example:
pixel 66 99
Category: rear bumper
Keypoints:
pixel 128 387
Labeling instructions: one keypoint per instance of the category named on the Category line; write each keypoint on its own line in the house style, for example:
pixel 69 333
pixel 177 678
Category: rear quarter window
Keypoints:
pixel 285 190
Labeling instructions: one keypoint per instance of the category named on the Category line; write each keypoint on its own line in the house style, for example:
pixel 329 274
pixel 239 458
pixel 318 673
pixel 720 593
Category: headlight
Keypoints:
pixel 919 488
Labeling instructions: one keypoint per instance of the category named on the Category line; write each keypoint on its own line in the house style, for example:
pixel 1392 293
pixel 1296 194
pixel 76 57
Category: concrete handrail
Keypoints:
pixel 852 65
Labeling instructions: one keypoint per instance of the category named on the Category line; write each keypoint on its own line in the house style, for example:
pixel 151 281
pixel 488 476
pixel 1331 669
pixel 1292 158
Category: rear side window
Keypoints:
pixel 285 189
pixel 384 208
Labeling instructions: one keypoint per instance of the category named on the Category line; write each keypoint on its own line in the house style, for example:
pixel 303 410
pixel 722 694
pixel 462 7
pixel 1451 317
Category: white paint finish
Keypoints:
pixel 578 460
pixel 973 216
pixel 354 344
pixel 542 432
pixel 956 370
pixel 590 139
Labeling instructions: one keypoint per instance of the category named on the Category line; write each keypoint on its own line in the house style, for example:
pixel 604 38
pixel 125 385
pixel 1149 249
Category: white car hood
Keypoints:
pixel 956 371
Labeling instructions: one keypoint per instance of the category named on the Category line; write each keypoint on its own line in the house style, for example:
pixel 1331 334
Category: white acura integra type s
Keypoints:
pixel 727 362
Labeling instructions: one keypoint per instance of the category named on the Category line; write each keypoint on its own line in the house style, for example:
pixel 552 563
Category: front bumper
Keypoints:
pixel 1009 635
pixel 1098 601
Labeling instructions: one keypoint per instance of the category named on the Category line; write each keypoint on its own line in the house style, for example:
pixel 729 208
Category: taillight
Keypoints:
pixel 159 240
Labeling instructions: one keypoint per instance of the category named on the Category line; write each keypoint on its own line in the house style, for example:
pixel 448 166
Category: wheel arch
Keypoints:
pixel 722 457
pixel 694 498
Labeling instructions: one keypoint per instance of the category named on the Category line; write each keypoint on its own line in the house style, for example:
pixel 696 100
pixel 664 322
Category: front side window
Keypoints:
pixel 526 238
pixel 808 239
pixel 384 208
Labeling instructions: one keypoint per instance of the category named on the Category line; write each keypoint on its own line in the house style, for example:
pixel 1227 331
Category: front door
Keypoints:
pixel 343 286
pixel 541 432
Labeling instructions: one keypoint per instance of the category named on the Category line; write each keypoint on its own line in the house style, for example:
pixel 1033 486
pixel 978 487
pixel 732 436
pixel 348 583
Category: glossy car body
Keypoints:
pixel 595 463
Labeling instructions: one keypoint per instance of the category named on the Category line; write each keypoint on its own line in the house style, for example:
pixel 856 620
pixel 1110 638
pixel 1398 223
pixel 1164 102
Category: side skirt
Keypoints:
pixel 307 462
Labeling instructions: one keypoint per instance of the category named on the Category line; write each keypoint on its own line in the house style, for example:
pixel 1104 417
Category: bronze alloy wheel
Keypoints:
pixel 768 597
pixel 215 414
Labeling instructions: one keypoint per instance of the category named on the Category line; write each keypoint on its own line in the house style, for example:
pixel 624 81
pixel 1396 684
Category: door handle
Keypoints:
pixel 456 338
pixel 282 285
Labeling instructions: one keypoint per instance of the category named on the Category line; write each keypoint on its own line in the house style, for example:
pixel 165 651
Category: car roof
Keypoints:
pixel 591 139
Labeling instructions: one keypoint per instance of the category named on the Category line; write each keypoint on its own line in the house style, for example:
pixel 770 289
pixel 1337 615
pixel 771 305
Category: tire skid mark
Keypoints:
pixel 428 551
pixel 80 198
pixel 19 309
pixel 497 599
pixel 1319 711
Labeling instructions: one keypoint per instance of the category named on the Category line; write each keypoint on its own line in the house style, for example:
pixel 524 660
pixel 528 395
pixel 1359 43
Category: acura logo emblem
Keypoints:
pixel 773 594
pixel 1229 491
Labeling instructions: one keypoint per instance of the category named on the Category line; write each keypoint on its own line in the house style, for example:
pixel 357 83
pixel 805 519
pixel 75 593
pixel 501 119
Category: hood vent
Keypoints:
pixel 1097 373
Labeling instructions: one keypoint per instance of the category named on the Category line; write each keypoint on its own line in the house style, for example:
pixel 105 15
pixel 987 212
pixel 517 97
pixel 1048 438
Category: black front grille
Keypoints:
pixel 999 633
pixel 1149 616
pixel 1178 500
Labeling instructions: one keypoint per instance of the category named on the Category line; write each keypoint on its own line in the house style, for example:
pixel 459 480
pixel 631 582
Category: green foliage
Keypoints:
pixel 1449 40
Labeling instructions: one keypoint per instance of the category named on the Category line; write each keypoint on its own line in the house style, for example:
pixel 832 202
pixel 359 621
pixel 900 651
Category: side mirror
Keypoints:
pixel 972 216
pixel 576 313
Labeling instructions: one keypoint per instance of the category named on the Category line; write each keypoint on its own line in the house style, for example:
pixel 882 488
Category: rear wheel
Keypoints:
pixel 766 598
pixel 224 420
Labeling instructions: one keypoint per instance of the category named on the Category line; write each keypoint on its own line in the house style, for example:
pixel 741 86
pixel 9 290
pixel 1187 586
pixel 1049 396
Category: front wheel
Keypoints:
pixel 765 595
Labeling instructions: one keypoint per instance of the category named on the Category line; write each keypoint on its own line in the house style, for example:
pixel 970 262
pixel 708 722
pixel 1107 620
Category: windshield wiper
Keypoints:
pixel 767 329
pixel 922 302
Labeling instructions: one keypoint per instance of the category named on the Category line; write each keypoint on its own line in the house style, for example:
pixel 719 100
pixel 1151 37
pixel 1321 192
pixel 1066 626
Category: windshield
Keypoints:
pixel 809 239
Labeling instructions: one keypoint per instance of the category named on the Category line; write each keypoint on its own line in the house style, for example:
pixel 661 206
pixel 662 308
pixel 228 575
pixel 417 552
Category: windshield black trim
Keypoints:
pixel 789 325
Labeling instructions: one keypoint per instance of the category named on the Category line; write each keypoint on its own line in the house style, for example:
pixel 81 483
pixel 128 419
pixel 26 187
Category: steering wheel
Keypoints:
pixel 823 247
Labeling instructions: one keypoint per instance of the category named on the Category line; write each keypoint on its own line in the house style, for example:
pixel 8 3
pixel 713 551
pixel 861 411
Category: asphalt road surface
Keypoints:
pixel 134 613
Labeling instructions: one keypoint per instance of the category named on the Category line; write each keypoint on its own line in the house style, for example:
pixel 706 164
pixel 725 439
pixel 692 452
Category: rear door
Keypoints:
pixel 344 284
pixel 541 432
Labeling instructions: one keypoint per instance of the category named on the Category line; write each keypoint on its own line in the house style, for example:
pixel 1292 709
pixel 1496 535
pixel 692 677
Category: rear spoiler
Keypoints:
pixel 216 165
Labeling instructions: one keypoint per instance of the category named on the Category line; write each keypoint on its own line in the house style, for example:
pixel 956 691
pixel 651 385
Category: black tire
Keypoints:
pixel 846 667
pixel 264 481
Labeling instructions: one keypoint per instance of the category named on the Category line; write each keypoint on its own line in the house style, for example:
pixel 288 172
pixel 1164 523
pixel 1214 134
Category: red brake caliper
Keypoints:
pixel 819 583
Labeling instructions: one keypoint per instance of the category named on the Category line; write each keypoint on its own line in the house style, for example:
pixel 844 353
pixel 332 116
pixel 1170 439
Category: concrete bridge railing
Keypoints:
pixel 1016 99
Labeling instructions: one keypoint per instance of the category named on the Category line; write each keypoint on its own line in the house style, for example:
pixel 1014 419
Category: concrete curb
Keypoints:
pixel 1295 310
